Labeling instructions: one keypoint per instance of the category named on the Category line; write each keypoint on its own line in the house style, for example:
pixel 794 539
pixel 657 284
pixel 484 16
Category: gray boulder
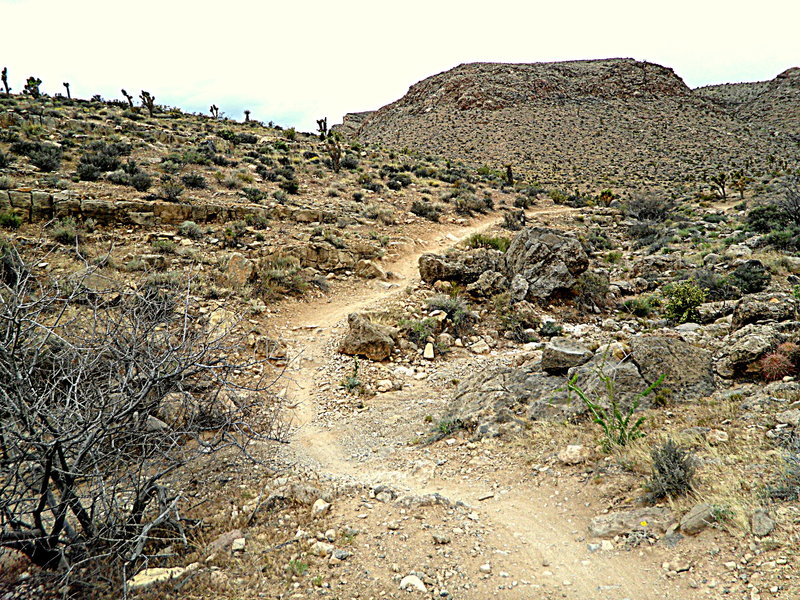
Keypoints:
pixel 369 339
pixel 498 399
pixel 743 347
pixel 602 373
pixel 698 518
pixel 763 307
pixel 687 368
pixel 547 260
pixel 459 266
pixel 561 354
pixel 489 283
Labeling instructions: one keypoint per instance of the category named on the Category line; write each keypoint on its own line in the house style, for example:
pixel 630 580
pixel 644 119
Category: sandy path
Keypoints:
pixel 540 535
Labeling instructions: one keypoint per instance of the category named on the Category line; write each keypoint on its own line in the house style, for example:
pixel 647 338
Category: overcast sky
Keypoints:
pixel 294 61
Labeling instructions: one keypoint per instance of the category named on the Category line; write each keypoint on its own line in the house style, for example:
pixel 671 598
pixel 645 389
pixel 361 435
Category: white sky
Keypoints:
pixel 295 61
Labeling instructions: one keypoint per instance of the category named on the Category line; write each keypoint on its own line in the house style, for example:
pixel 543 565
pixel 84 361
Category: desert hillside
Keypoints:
pixel 532 331
pixel 599 122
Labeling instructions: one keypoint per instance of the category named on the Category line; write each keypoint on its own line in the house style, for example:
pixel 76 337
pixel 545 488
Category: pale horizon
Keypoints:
pixel 295 64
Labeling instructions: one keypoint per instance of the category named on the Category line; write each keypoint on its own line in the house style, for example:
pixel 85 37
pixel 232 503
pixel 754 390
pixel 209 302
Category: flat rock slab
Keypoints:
pixel 640 519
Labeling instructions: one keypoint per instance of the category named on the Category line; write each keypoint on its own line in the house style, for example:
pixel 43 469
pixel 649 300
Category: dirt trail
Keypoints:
pixel 540 534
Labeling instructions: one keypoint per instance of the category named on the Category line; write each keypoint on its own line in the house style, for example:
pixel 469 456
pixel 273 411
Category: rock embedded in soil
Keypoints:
pixel 560 354
pixel 687 369
pixel 698 518
pixel 368 339
pixel 640 519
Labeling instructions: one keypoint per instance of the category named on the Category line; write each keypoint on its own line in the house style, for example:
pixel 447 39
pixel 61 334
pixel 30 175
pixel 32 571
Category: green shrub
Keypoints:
pixel 163 246
pixel 194 181
pixel 751 277
pixel 290 186
pixel 5 160
pixel 457 310
pixel 349 161
pixel 682 300
pixel 141 181
pixel 10 220
pixel 639 307
pixel 550 329
pixel 65 231
pixel 47 158
pixel 619 427
pixel 418 331
pixel 426 210
pixel 191 230
pixel 480 240
pixel 6 183
pixel 649 207
pixel 254 194
pixel 171 191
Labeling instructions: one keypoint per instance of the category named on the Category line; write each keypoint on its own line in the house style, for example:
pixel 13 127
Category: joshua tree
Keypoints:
pixel 740 182
pixel 32 86
pixel 5 81
pixel 66 85
pixel 247 116
pixel 214 111
pixel 148 101
pixel 718 183
pixel 129 98
pixel 335 152
pixel 322 125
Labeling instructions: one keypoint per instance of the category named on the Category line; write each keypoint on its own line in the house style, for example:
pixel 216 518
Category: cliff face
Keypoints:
pixel 595 122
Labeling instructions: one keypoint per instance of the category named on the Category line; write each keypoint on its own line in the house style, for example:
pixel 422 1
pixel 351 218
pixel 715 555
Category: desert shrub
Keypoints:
pixel 194 181
pixel 682 300
pixel 65 231
pixel 5 160
pixel 514 220
pixel 280 277
pixel 766 218
pixel 350 161
pixel 592 289
pixel 163 246
pixel 467 203
pixel 290 186
pixel 171 190
pixel 775 366
pixel 550 329
pixel 86 171
pixel 141 181
pixel 639 306
pixel 232 234
pixel 673 471
pixel 426 210
pixel 750 277
pixel 480 240
pixel 102 415
pixel 649 207
pixel 6 183
pixel 787 486
pixel 457 310
pixel 254 194
pixel 10 220
pixel 119 177
pixel 47 157
pixel 596 239
pixel 715 285
pixel 191 230
pixel 418 331
pixel 517 324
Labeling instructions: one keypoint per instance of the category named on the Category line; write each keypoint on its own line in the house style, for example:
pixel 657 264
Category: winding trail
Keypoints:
pixel 542 535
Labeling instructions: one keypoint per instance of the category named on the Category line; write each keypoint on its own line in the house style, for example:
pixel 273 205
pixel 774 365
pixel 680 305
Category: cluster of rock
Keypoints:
pixel 692 359
pixel 539 264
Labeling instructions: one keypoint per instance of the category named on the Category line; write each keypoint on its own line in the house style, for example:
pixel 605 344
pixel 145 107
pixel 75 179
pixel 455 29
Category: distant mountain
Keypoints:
pixel 593 122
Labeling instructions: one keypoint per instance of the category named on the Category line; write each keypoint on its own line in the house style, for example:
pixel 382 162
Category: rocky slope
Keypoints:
pixel 598 122
pixel 773 105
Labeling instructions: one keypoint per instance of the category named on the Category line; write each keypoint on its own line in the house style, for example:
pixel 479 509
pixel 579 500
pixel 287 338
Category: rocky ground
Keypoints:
pixel 422 359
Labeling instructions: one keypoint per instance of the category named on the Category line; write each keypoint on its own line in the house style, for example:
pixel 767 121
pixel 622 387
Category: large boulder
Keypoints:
pixel 458 266
pixel 368 339
pixel 561 354
pixel 745 346
pixel 687 369
pixel 495 400
pixel 763 307
pixel 542 262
